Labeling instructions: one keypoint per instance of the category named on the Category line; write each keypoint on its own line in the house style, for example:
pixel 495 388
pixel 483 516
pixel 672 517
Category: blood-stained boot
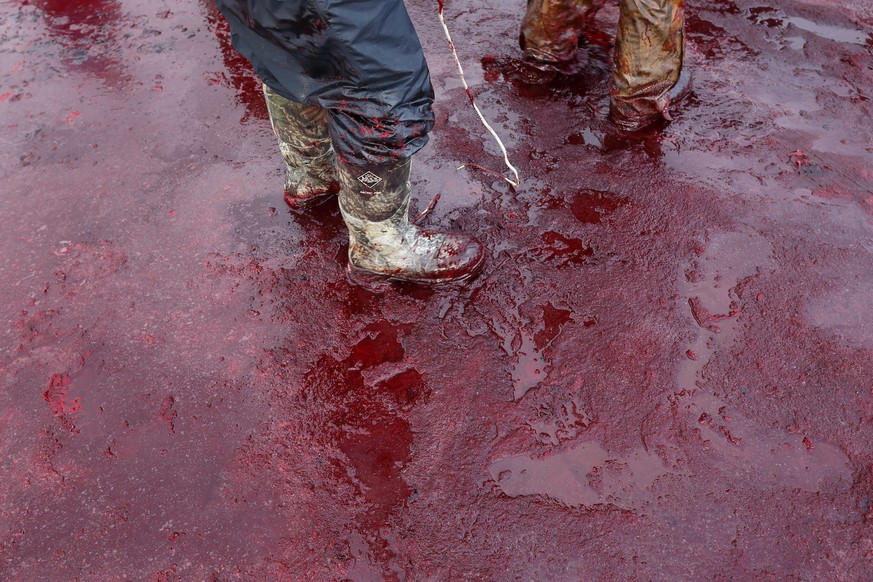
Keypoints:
pixel 383 244
pixel 310 163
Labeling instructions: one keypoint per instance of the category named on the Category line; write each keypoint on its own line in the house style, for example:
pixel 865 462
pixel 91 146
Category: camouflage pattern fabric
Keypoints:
pixel 649 51
pixel 374 193
pixel 304 140
pixel 550 31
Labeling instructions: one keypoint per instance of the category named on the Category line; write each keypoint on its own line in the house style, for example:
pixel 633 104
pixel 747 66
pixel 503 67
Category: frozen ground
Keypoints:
pixel 664 372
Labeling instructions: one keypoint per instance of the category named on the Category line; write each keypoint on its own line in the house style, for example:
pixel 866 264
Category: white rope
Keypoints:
pixel 514 183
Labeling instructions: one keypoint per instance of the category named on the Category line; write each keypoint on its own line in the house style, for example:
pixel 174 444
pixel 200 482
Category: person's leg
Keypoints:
pixel 648 62
pixel 304 140
pixel 361 60
pixel 377 125
pixel 550 31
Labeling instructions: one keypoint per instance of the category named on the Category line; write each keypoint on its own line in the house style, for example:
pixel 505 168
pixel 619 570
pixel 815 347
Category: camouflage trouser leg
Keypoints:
pixel 649 50
pixel 550 29
pixel 305 144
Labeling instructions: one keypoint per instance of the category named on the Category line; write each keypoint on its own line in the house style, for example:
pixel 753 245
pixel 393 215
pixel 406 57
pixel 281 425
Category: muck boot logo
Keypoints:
pixel 369 179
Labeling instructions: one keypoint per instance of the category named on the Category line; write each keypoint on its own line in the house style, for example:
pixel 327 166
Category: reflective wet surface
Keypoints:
pixel 662 373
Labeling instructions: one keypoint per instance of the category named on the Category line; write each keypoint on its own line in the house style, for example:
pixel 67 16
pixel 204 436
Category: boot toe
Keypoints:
pixel 460 258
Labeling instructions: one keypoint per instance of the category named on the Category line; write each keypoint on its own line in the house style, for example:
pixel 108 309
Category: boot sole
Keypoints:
pixel 360 276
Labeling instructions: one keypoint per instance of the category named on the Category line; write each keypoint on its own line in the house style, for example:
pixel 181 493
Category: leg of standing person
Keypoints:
pixel 361 61
pixel 648 69
pixel 304 141
pixel 550 31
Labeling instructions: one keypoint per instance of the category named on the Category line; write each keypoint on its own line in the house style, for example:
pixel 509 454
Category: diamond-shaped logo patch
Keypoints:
pixel 369 179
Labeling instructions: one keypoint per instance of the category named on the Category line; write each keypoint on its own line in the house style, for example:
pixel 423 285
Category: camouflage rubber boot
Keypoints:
pixel 550 32
pixel 310 163
pixel 648 73
pixel 383 244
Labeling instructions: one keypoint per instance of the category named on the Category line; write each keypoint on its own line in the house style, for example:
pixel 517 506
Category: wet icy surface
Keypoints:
pixel 663 373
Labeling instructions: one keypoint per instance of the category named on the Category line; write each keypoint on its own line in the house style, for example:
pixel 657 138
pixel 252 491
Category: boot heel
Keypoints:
pixel 375 281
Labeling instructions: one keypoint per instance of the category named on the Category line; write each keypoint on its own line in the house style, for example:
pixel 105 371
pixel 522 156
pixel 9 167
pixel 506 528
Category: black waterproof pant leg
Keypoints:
pixel 359 59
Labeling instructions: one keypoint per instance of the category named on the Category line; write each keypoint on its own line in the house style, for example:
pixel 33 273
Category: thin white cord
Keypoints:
pixel 517 182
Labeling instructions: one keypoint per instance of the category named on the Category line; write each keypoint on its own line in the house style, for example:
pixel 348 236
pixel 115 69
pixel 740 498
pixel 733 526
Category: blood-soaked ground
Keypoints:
pixel 663 373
